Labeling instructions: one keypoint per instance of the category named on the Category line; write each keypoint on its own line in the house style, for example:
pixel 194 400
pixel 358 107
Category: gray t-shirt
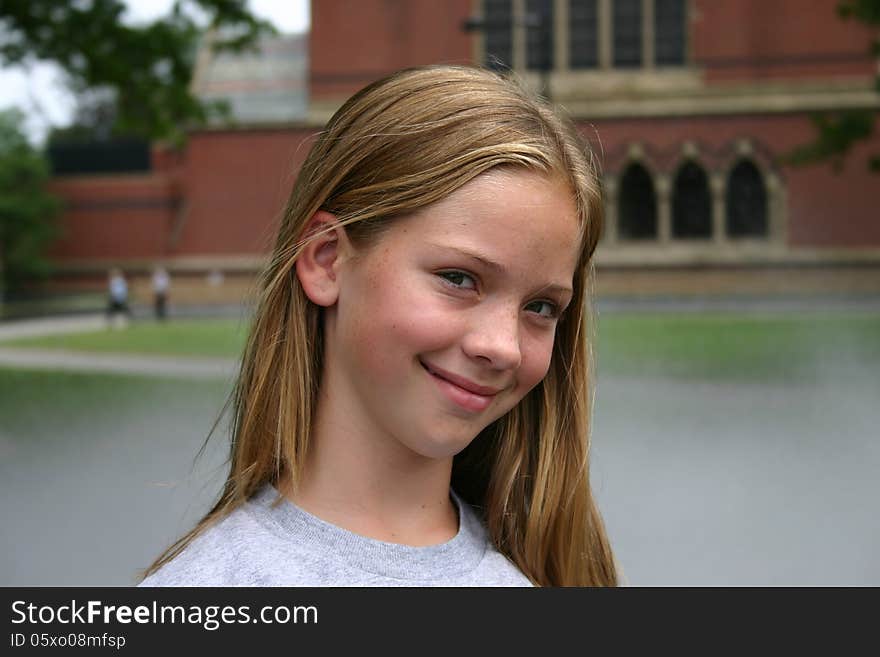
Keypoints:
pixel 261 544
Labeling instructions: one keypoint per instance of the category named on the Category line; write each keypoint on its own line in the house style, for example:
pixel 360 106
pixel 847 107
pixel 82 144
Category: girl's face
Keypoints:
pixel 447 321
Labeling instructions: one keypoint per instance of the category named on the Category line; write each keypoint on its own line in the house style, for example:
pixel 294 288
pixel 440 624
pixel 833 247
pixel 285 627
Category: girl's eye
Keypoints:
pixel 545 309
pixel 459 280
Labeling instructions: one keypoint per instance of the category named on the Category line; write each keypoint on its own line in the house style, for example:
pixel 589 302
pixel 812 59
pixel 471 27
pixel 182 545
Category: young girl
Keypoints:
pixel 414 398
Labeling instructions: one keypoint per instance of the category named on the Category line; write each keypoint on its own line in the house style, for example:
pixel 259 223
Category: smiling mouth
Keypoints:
pixel 462 392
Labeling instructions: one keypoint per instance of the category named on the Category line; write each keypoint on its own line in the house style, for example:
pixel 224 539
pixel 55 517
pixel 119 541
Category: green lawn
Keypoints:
pixel 704 346
pixel 740 347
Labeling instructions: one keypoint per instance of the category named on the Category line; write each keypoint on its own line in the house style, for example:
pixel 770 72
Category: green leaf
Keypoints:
pixel 27 210
pixel 836 134
pixel 144 71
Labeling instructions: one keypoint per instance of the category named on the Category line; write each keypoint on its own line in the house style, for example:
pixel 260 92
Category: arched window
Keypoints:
pixel 637 205
pixel 691 203
pixel 746 202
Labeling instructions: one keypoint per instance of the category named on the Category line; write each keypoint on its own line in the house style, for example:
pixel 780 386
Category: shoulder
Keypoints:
pixel 217 557
pixel 494 568
pixel 498 570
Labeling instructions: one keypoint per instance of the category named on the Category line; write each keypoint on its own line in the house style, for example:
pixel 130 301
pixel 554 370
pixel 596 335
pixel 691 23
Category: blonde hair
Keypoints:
pixel 394 147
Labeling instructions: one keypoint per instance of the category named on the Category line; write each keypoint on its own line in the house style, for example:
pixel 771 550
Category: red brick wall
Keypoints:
pixel 123 216
pixel 225 199
pixel 775 39
pixel 237 183
pixel 354 43
pixel 828 208
pixel 224 195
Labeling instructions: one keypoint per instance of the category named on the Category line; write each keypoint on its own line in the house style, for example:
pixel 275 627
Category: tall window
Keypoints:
pixel 539 35
pixel 669 26
pixel 597 35
pixel 691 203
pixel 746 202
pixel 499 33
pixel 583 33
pixel 627 22
pixel 637 205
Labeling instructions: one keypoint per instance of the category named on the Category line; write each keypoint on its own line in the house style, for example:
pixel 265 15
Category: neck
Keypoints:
pixel 373 485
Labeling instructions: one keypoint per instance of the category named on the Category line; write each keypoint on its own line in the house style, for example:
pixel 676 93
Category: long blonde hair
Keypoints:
pixel 394 147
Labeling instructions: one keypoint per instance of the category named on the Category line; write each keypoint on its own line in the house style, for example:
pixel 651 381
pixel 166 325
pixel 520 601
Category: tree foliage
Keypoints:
pixel 27 210
pixel 837 133
pixel 145 70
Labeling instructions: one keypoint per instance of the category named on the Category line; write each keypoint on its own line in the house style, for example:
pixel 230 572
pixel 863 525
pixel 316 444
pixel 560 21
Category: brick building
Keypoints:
pixel 690 104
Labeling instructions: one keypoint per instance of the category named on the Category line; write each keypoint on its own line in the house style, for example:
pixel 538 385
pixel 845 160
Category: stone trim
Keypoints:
pixel 683 98
pixel 560 32
pixel 606 40
pixel 642 256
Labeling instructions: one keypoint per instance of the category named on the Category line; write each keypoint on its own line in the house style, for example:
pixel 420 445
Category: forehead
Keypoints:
pixel 521 219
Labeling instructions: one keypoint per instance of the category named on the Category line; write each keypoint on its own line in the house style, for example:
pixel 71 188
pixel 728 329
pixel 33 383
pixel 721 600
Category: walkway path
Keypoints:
pixel 32 328
pixel 171 366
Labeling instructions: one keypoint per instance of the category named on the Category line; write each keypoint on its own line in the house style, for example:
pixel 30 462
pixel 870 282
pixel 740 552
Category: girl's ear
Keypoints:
pixel 317 267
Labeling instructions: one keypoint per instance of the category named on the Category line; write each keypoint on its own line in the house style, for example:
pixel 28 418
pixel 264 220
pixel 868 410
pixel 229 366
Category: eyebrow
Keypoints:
pixel 497 267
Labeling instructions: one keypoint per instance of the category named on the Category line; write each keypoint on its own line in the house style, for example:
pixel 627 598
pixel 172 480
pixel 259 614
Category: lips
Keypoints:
pixel 463 393
pixel 461 382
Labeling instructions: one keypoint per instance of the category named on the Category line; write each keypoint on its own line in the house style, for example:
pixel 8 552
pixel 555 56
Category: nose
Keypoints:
pixel 494 338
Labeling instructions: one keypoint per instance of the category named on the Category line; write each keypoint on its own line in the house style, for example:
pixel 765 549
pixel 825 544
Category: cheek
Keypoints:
pixel 389 330
pixel 536 361
pixel 534 367
pixel 414 317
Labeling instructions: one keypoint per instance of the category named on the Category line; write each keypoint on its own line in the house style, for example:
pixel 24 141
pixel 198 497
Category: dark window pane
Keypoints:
pixel 539 35
pixel 627 33
pixel 122 154
pixel 637 205
pixel 583 34
pixel 691 204
pixel 746 202
pixel 669 32
pixel 498 33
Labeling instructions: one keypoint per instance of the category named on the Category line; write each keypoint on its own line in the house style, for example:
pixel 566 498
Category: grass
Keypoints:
pixel 701 346
pixel 739 347
pixel 205 338
pixel 79 402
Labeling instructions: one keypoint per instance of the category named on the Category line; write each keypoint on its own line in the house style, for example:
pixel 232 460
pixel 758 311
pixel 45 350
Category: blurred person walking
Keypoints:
pixel 118 311
pixel 161 283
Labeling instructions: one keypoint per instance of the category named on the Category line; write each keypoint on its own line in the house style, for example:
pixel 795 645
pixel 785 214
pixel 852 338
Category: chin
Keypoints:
pixel 436 446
